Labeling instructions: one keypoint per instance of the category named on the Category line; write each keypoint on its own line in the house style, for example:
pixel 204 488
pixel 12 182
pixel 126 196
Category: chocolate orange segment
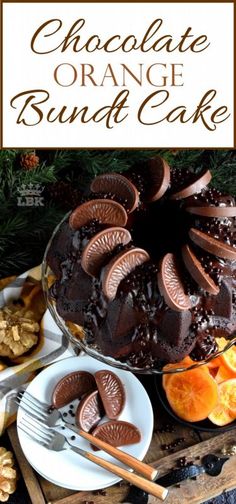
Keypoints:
pixel 117 433
pixel 111 391
pixel 212 245
pixel 119 267
pixel 158 175
pixel 171 286
pixel 89 412
pixel 72 386
pixel 118 185
pixel 213 211
pixel 194 187
pixel 102 243
pixel 104 211
pixel 197 272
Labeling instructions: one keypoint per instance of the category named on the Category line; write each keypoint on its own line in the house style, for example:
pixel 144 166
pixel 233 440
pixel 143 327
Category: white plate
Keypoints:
pixel 67 468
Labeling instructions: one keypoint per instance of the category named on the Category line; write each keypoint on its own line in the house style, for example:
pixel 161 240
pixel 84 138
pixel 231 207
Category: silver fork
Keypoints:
pixel 53 418
pixel 55 441
pixel 37 409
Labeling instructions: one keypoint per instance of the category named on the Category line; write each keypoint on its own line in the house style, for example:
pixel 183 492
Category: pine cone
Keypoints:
pixel 8 475
pixel 29 161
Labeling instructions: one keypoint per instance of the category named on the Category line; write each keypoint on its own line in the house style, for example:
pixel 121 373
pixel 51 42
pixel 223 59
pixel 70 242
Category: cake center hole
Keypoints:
pixel 163 228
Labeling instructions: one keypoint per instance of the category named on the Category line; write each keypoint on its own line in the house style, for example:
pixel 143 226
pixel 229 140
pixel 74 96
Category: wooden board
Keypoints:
pixel 191 444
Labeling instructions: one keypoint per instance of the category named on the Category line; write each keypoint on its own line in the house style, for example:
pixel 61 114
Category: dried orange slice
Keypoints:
pixel 223 374
pixel 186 362
pixel 225 410
pixel 192 394
pixel 215 363
pixel 229 359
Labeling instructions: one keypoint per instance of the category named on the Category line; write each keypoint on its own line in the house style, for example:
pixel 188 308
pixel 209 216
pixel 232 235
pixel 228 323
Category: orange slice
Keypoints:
pixel 225 410
pixel 192 394
pixel 229 359
pixel 215 363
pixel 223 374
pixel 185 363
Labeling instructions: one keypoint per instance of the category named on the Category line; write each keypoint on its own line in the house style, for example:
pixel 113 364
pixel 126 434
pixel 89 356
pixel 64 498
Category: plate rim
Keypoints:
pixel 78 486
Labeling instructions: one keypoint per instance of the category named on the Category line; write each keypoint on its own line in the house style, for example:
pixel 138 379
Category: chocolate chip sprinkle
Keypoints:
pixel 171 446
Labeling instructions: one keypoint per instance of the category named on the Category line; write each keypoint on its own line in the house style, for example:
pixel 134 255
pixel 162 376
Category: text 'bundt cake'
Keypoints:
pixel 146 264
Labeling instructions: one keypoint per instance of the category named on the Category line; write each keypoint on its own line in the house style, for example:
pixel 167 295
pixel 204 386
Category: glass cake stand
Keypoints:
pixel 93 350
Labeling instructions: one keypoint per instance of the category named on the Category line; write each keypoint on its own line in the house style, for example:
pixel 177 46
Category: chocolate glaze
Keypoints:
pixel 138 326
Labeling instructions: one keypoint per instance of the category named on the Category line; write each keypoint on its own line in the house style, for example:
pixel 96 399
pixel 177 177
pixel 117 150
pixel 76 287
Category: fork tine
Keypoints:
pixel 36 402
pixel 31 406
pixel 41 404
pixel 34 414
pixel 31 411
pixel 37 430
pixel 34 437
pixel 39 425
pixel 34 433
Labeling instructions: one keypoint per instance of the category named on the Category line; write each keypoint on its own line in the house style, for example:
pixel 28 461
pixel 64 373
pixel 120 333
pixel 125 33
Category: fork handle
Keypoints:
pixel 148 486
pixel 146 470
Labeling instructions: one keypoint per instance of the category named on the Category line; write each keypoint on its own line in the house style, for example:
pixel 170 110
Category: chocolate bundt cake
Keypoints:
pixel 146 265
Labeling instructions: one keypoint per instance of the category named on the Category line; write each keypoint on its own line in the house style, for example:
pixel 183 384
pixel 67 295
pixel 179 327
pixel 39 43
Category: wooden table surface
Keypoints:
pixel 170 441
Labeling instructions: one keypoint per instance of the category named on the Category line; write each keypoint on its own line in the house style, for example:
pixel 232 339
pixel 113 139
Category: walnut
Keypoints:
pixel 76 330
pixel 2 365
pixel 8 474
pixel 18 331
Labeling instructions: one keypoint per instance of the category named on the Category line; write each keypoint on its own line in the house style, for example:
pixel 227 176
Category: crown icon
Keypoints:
pixel 30 189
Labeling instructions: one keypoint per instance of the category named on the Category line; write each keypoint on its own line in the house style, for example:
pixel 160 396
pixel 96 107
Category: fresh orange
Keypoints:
pixel 225 410
pixel 223 373
pixel 229 359
pixel 192 394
